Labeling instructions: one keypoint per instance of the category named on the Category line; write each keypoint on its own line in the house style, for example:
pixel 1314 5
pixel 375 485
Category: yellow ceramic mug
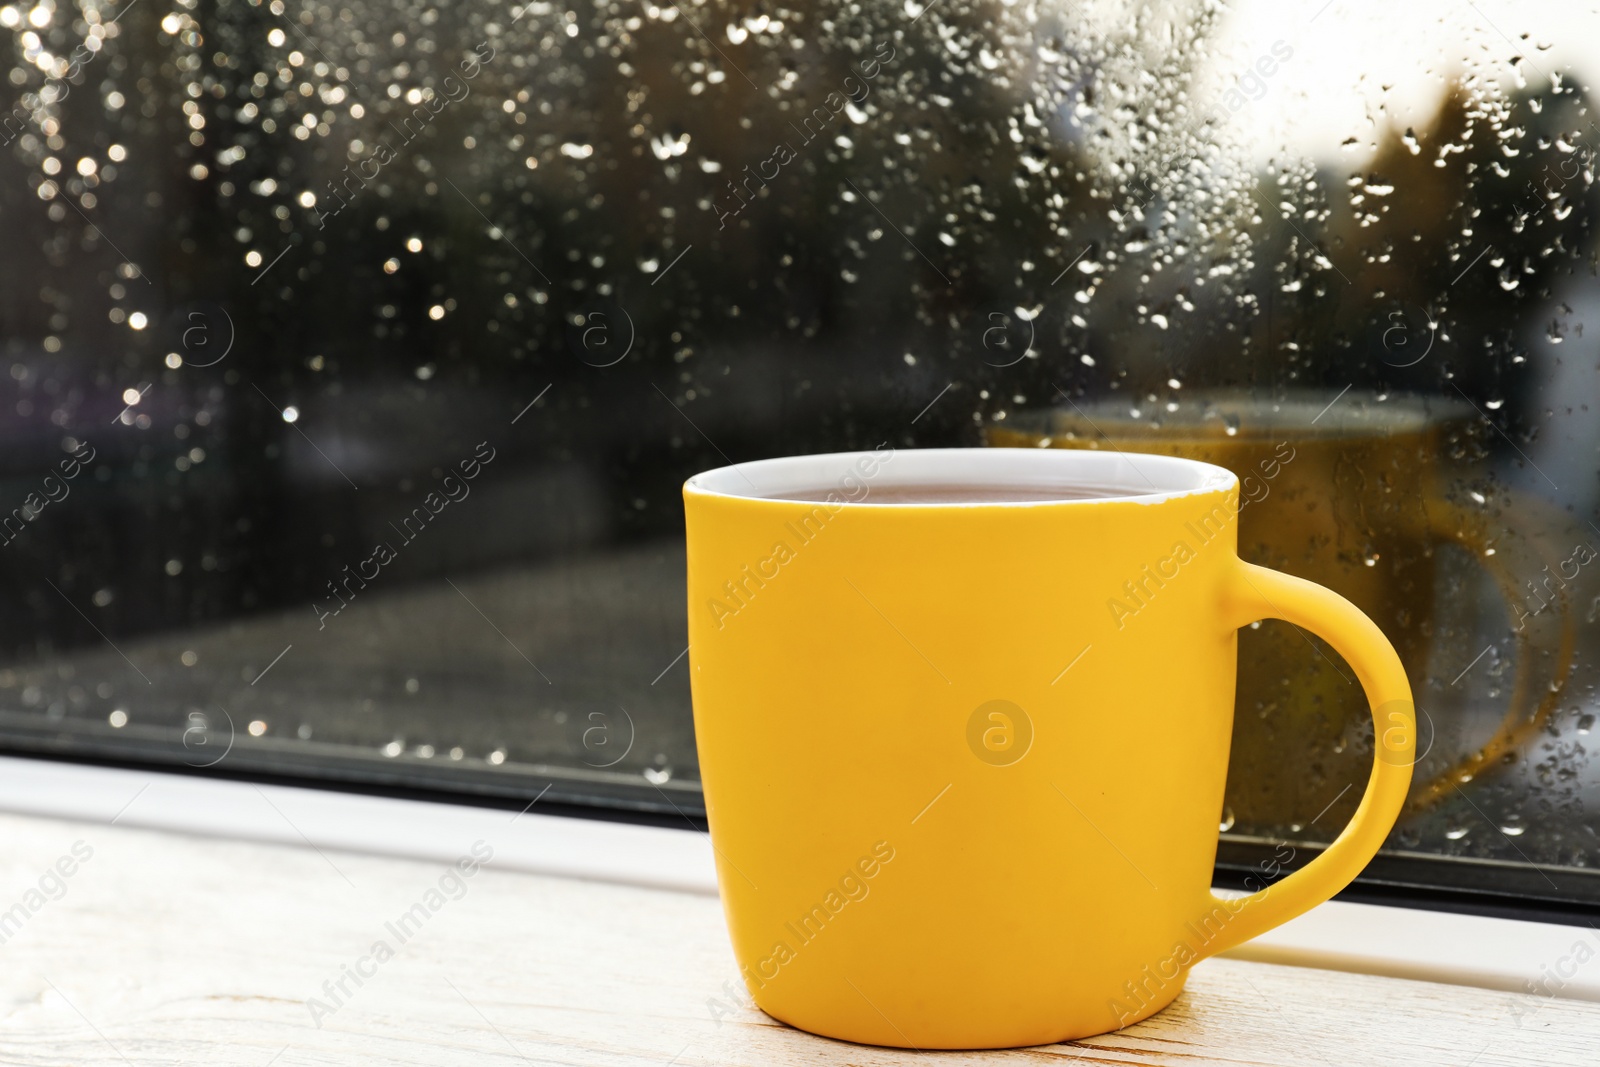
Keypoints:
pixel 957 801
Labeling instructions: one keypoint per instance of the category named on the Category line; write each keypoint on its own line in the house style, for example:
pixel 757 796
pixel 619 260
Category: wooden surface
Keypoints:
pixel 166 949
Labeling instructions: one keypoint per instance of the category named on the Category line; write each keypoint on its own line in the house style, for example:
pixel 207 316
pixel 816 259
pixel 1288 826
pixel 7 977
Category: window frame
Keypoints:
pixel 1496 953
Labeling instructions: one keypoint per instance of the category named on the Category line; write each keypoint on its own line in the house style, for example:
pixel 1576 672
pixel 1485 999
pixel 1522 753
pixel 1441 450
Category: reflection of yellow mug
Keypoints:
pixel 1345 491
pixel 955 801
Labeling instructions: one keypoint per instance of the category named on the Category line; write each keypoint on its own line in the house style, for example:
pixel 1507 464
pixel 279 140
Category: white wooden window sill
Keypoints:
pixel 215 922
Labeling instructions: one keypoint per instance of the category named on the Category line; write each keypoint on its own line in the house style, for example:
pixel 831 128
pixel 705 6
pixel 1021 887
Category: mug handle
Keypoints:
pixel 1255 593
pixel 1448 522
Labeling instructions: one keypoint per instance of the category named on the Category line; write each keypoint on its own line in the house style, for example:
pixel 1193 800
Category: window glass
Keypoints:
pixel 356 355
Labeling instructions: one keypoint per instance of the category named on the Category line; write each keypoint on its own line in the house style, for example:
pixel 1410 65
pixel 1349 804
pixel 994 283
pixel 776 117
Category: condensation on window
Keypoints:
pixel 357 353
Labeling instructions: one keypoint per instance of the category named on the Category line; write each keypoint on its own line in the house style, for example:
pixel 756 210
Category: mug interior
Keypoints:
pixel 1109 475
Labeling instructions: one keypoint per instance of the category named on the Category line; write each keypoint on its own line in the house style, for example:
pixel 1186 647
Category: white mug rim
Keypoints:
pixel 1122 476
